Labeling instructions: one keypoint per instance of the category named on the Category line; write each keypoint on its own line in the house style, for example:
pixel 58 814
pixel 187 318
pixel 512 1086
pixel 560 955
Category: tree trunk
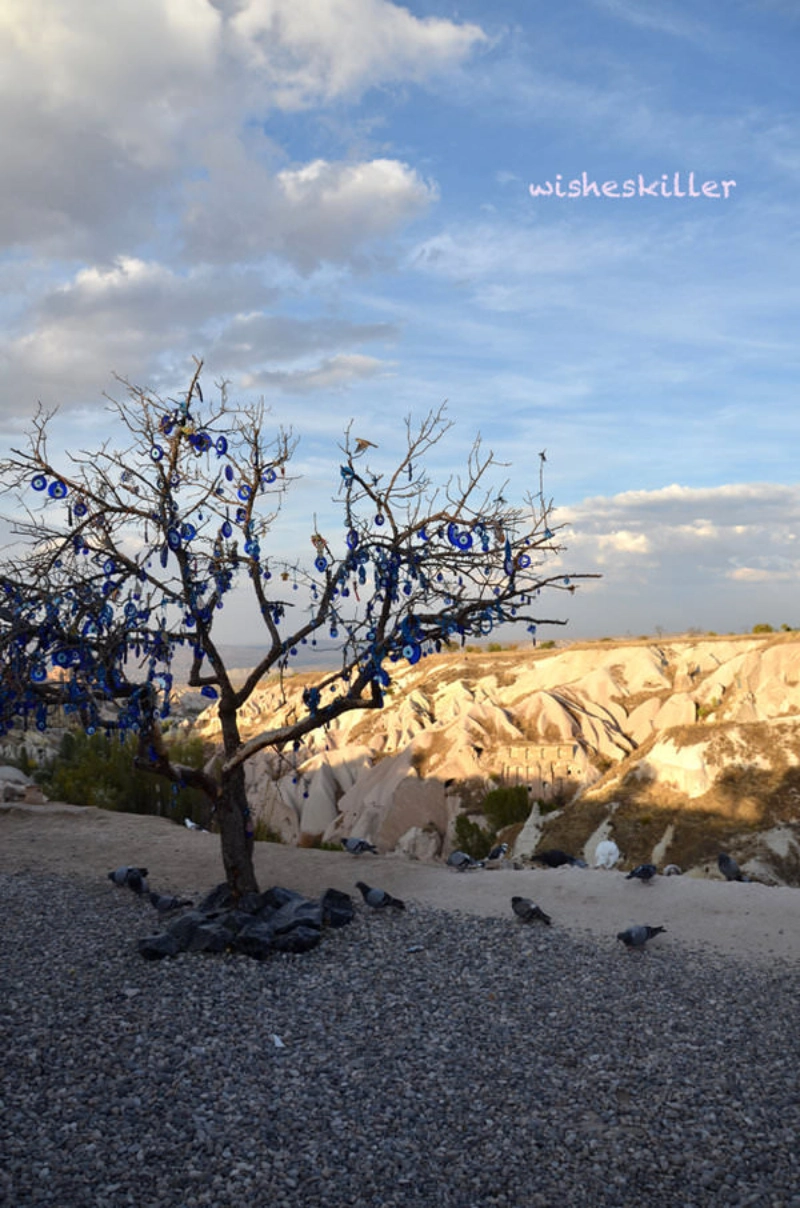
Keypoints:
pixel 236 834
pixel 233 816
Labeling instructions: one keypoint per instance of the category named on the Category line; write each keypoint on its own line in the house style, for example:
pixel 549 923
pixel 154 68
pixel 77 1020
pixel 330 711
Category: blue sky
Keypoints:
pixel 328 200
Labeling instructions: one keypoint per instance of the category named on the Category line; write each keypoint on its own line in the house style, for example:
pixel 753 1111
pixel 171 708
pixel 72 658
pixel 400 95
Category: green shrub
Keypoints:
pixel 763 628
pixel 506 806
pixel 548 645
pixel 99 770
pixel 473 839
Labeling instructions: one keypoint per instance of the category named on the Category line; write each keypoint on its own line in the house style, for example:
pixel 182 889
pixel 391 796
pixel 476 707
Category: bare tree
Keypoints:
pixel 123 556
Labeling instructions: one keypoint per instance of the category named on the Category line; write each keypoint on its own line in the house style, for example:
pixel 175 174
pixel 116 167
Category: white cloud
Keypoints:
pixel 334 373
pixel 319 212
pixel 96 108
pixel 622 541
pixel 334 48
pixel 104 109
pixel 741 532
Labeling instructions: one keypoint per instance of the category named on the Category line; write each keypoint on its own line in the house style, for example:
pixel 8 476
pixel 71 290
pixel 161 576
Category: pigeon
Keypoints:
pixel 606 854
pixel 554 858
pixel 642 872
pixel 187 822
pixel 497 853
pixel 637 937
pixel 379 899
pixel 525 909
pixel 357 847
pixel 132 878
pixel 730 869
pixel 673 870
pixel 165 903
pixel 461 861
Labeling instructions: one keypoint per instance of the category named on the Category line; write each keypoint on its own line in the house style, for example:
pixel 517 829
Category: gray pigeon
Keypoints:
pixel 642 872
pixel 730 869
pixel 379 899
pixel 497 853
pixel 132 878
pixel 525 909
pixel 165 903
pixel 637 937
pixel 357 847
pixel 461 861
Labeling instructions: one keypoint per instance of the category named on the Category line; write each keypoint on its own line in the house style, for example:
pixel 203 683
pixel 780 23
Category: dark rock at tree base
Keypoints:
pixel 300 939
pixel 219 898
pixel 337 908
pixel 156 947
pixel 210 937
pixel 278 897
pixel 257 939
pixel 279 920
pixel 302 913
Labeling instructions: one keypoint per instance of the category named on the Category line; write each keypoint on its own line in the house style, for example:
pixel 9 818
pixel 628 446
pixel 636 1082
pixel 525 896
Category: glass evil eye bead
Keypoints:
pixel 320 563
pixel 461 540
pixel 229 473
pixel 209 692
pixel 227 529
pixel 221 446
pixel 523 562
pixel 241 515
pixel 174 539
pixel 38 673
pixel 412 652
pixel 39 482
pixel 79 508
pixel 57 489
pixel 244 492
pixel 156 453
pixel 188 531
pixel 379 519
pixel 166 424
pixel 352 539
pixel 269 477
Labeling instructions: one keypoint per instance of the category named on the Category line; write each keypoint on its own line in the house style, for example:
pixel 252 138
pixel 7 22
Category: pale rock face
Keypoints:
pixel 641 721
pixel 682 768
pixel 318 810
pixel 420 844
pixel 363 807
pixel 677 710
pixel 545 720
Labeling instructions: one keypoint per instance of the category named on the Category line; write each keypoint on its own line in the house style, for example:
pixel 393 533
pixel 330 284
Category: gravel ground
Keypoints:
pixel 428 1059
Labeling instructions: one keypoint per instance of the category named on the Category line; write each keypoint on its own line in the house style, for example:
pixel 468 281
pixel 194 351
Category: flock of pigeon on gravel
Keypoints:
pixel 634 938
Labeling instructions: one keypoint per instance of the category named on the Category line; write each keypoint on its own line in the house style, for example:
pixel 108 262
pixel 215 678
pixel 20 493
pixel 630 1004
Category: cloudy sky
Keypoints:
pixel 358 209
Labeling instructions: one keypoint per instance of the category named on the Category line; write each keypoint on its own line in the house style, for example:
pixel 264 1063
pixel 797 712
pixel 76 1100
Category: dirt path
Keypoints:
pixel 752 921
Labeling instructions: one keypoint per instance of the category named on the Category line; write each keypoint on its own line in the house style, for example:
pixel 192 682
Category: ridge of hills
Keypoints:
pixel 676 748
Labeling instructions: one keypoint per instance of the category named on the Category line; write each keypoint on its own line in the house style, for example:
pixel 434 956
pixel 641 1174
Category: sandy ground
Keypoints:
pixel 753 922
